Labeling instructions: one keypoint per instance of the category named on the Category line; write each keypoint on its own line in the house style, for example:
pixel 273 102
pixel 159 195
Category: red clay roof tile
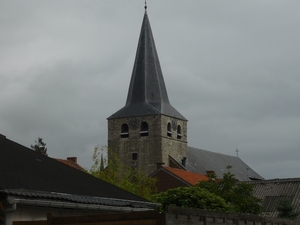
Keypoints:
pixel 189 177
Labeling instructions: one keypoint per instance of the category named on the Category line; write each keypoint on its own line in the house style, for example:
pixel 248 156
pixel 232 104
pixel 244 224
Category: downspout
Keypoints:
pixel 11 209
pixel 7 209
pixel 12 203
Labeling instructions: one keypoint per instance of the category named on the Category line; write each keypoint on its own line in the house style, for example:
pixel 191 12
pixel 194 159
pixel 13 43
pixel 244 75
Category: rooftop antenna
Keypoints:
pixel 145 4
pixel 237 152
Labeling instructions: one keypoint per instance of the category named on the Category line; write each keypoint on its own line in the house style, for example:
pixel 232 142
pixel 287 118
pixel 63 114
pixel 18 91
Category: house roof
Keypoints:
pixel 21 193
pixel 24 169
pixel 147 94
pixel 201 161
pixel 273 191
pixel 189 177
pixel 71 162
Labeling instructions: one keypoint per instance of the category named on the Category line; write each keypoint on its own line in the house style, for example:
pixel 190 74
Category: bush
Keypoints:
pixel 191 197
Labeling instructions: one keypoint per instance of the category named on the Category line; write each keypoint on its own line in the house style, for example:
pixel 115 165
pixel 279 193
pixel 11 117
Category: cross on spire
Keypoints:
pixel 145 4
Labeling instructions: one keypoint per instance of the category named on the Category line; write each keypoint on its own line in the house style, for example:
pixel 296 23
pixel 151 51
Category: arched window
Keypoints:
pixel 124 131
pixel 144 129
pixel 169 131
pixel 179 132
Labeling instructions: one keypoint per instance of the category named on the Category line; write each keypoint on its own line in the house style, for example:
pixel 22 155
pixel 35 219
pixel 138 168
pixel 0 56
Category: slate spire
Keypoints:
pixel 147 94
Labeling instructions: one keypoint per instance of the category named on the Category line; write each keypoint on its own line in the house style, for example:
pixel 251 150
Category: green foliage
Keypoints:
pixel 239 195
pixel 40 146
pixel 286 210
pixel 116 173
pixel 192 197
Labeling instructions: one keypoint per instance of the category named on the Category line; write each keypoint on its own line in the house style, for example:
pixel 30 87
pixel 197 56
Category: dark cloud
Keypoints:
pixel 231 68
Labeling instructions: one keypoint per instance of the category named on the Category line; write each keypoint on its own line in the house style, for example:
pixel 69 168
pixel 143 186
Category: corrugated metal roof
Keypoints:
pixel 201 161
pixel 273 191
pixel 75 198
pixel 147 94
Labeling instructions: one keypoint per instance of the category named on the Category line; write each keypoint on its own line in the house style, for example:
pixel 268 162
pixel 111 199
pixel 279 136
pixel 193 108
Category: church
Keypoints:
pixel 149 132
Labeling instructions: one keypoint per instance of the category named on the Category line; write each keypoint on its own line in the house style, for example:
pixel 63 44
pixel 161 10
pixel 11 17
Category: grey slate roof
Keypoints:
pixel 273 191
pixel 27 173
pixel 74 198
pixel 201 161
pixel 147 94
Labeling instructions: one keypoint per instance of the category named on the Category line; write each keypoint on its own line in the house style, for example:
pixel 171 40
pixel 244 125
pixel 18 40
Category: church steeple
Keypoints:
pixel 147 131
pixel 147 94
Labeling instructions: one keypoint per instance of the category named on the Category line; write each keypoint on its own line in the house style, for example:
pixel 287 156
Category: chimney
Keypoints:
pixel 72 159
pixel 159 165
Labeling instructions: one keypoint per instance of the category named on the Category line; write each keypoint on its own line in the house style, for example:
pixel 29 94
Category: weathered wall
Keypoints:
pixel 186 216
pixel 152 149
pixel 174 216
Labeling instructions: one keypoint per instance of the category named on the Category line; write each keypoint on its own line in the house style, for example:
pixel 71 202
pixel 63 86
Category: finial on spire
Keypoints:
pixel 145 4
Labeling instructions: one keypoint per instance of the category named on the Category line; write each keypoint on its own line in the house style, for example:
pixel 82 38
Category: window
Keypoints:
pixel 169 132
pixel 134 156
pixel 144 129
pixel 124 131
pixel 179 132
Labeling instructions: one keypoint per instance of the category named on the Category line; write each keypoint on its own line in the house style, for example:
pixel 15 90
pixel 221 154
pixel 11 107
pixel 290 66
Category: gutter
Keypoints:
pixel 70 205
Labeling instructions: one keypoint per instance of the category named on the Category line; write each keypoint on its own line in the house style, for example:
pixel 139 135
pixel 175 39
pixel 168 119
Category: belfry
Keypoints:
pixel 148 130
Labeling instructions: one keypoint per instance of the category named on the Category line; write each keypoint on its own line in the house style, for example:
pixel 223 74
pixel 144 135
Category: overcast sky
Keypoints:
pixel 231 68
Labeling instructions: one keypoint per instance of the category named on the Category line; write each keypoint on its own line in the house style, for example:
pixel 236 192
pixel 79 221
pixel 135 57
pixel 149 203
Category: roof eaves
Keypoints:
pixel 78 198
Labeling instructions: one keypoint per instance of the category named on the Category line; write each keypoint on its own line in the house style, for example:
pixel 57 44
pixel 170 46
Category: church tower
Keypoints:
pixel 148 130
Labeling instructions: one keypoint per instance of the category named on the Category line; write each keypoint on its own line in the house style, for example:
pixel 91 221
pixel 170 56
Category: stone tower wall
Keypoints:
pixel 173 146
pixel 151 149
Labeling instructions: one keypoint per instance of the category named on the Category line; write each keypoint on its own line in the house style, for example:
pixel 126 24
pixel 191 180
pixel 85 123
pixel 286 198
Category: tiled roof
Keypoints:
pixel 275 190
pixel 70 163
pixel 189 177
pixel 23 168
pixel 201 161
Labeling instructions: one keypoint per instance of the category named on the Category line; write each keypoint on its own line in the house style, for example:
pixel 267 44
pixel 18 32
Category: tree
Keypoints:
pixel 239 195
pixel 115 172
pixel 286 209
pixel 191 197
pixel 40 146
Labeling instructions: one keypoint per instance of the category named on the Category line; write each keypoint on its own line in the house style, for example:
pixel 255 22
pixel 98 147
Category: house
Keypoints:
pixel 275 190
pixel 149 130
pixel 32 184
pixel 168 178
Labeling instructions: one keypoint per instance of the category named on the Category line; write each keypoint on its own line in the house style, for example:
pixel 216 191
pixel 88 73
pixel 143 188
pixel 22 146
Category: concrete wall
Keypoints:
pixel 186 216
pixel 174 216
